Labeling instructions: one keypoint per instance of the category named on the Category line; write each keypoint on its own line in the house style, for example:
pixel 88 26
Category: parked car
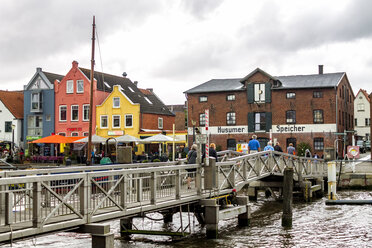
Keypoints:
pixel 362 148
pixel 368 145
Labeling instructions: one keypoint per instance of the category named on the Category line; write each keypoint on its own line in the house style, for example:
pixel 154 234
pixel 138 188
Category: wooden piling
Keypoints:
pixel 287 197
pixel 126 224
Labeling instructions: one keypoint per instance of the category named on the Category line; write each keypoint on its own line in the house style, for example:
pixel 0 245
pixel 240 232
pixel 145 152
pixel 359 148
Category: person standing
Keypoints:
pixel 290 149
pixel 212 151
pixel 253 145
pixel 277 147
pixel 269 147
pixel 191 159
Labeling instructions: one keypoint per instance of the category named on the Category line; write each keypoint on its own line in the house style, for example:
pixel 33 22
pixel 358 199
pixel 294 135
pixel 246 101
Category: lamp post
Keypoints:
pixel 12 145
pixel 193 130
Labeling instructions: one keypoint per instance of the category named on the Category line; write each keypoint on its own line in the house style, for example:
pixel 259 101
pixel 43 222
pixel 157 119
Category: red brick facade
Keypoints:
pixel 306 104
pixel 150 121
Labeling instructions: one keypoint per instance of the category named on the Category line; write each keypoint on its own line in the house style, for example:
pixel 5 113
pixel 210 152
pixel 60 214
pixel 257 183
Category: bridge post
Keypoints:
pixel 84 194
pixel 36 204
pixel 9 199
pixel 178 184
pixel 210 175
pixel 211 215
pixel 123 191
pixel 101 236
pixel 2 199
pixel 139 189
pixel 198 181
pixel 126 224
pixel 308 194
pixel 152 187
pixel 287 197
pixel 245 218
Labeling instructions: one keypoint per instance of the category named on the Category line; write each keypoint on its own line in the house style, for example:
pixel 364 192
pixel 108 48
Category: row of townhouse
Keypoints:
pixel 59 104
pixel 287 109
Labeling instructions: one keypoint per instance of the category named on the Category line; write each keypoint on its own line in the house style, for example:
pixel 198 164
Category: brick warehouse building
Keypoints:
pixel 301 108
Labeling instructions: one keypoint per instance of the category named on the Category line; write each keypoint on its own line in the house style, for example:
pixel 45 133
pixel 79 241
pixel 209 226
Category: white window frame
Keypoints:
pixel 38 101
pixel 70 86
pixel 85 105
pixel 100 121
pixel 230 97
pixel 113 117
pixel 72 112
pixel 77 86
pixel 126 116
pixel 60 113
pixel 160 123
pixel 113 102
pixel 203 98
pixel 361 107
pixel 259 92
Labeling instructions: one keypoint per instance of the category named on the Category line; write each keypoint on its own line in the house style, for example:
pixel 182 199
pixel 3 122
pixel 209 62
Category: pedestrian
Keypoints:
pixel 290 149
pixel 253 145
pixel 277 147
pixel 212 151
pixel 191 159
pixel 269 146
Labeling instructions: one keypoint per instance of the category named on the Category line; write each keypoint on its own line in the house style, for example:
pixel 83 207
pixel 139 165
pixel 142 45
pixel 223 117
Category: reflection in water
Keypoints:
pixel 314 225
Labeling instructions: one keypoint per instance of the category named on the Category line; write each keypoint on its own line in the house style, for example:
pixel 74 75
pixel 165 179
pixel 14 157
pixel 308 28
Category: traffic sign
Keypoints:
pixel 201 138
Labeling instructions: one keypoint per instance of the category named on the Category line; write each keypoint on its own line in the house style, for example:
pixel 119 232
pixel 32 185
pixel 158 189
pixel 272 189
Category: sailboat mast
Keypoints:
pixel 89 156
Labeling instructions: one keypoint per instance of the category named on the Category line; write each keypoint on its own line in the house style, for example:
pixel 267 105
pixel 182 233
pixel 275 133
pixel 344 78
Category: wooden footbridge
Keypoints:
pixel 34 202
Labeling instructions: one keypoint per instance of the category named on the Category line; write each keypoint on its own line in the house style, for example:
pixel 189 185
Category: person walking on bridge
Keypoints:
pixel 253 145
pixel 290 149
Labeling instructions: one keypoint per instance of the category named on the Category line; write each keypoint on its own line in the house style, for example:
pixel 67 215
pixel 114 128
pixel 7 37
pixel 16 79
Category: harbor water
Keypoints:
pixel 314 225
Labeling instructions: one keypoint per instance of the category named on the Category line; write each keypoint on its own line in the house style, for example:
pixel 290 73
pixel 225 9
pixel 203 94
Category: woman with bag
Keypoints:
pixel 191 159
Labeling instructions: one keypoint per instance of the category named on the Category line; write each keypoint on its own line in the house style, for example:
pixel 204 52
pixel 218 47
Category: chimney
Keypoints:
pixel 135 83
pixel 125 74
pixel 38 69
pixel 320 69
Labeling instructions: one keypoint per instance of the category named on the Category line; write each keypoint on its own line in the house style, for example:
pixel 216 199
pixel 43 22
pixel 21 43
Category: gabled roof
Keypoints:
pixel 47 77
pixel 13 101
pixel 364 92
pixel 254 72
pixel 328 80
pixel 106 82
pixel 218 85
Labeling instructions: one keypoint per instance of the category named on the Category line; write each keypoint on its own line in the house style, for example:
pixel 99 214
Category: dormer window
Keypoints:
pixel 148 100
pixel 36 102
pixel 259 92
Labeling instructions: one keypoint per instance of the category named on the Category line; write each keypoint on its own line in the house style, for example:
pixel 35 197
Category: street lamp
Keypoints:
pixel 193 130
pixel 12 145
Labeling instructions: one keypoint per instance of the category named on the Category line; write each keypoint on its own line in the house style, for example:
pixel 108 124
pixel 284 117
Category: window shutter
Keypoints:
pixel 268 121
pixel 250 122
pixel 267 92
pixel 250 92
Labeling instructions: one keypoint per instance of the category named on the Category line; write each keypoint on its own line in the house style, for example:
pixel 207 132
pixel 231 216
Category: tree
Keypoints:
pixel 301 148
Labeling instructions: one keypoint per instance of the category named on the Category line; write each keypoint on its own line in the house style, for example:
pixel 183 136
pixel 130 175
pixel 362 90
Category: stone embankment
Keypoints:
pixel 358 177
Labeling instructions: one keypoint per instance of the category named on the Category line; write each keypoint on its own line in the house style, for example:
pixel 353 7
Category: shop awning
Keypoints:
pixel 56 139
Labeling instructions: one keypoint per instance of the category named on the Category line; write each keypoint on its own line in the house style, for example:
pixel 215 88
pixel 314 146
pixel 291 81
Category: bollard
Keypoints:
pixel 332 183
pixel 287 197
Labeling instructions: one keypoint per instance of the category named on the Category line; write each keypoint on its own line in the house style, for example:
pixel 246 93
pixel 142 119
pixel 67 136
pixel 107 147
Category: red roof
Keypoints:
pixel 364 93
pixel 13 101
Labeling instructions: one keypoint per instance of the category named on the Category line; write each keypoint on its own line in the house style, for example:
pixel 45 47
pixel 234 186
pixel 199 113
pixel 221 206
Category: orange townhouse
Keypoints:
pixel 72 96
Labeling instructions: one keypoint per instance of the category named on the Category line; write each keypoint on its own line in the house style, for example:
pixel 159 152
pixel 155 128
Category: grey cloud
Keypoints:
pixel 34 29
pixel 200 8
pixel 272 32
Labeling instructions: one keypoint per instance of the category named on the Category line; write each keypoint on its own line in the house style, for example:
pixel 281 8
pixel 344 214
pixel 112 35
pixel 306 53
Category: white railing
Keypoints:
pixel 36 201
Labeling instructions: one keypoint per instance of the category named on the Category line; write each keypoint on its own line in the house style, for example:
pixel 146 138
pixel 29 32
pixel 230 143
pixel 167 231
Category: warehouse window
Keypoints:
pixel 291 116
pixel 203 98
pixel 230 118
pixel 260 121
pixel 291 95
pixel 318 116
pixel 318 144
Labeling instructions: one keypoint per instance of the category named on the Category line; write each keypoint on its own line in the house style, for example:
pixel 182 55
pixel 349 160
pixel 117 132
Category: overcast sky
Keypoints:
pixel 174 45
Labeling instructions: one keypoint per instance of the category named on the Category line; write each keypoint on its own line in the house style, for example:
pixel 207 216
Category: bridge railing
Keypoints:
pixel 39 201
